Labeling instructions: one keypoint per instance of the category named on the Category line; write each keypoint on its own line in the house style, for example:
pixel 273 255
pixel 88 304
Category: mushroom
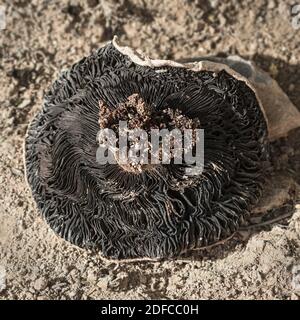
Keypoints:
pixel 143 210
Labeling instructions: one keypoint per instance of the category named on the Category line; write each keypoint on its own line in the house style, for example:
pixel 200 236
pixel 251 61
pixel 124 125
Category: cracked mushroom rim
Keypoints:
pixel 141 59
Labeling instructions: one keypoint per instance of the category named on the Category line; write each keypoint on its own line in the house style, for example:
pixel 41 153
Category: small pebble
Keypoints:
pixel 291 87
pixel 40 284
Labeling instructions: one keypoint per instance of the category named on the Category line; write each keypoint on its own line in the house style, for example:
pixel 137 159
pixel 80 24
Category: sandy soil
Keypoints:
pixel 43 37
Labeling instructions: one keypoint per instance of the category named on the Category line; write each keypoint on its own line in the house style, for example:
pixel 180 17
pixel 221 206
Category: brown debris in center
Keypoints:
pixel 139 115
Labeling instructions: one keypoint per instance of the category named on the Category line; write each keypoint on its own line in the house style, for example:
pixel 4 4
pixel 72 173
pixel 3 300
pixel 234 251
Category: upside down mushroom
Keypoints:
pixel 153 211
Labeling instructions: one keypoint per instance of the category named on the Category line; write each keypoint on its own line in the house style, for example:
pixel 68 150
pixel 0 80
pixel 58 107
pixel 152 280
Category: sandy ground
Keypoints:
pixel 43 37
